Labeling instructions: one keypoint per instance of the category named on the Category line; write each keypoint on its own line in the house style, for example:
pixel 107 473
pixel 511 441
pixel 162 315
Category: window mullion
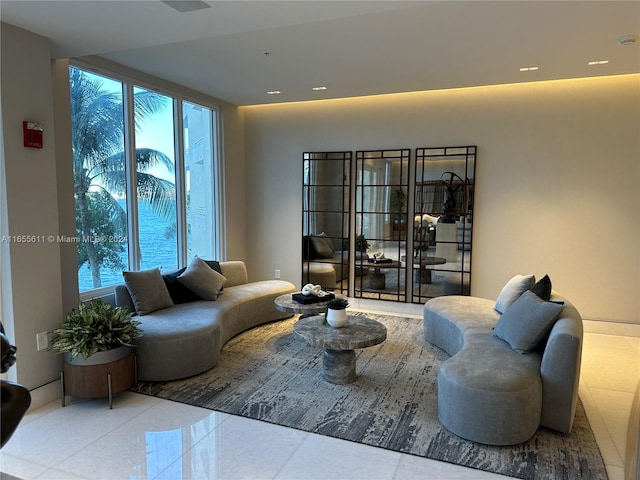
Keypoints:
pixel 131 177
pixel 181 198
pixel 218 182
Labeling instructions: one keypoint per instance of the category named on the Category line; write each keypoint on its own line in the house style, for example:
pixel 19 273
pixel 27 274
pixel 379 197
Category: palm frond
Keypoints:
pixel 147 158
pixel 147 104
pixel 160 194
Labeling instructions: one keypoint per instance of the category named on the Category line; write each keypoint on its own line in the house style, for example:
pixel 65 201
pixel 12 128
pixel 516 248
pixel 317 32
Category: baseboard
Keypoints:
pixel 45 394
pixel 384 306
pixel 612 328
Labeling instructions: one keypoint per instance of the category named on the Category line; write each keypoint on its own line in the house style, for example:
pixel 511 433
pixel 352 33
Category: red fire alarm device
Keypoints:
pixel 32 134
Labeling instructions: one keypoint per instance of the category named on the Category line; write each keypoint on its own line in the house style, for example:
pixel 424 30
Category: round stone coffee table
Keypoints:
pixel 339 359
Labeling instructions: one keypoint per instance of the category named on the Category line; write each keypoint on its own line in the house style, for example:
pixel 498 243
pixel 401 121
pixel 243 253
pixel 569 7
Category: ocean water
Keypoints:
pixel 156 250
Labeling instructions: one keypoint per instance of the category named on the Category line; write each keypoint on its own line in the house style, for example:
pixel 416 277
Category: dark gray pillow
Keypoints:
pixel 542 288
pixel 179 293
pixel 148 290
pixel 512 290
pixel 527 322
pixel 202 279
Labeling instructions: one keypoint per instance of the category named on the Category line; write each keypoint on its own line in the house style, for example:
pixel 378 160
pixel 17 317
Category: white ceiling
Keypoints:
pixel 352 47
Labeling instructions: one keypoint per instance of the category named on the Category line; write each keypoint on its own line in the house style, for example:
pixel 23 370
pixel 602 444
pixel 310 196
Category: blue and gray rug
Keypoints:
pixel 270 374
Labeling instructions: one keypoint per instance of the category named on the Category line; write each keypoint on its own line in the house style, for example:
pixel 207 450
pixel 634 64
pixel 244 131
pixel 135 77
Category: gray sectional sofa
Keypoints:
pixel 184 339
pixel 489 391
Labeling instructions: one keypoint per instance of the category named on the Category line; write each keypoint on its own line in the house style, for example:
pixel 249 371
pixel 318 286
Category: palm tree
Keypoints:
pixel 98 165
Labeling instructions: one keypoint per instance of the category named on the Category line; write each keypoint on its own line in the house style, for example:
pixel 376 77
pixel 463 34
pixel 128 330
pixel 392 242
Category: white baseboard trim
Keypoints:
pixel 612 328
pixel 45 394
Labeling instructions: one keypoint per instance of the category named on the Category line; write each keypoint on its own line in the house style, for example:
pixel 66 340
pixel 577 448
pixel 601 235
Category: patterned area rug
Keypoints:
pixel 270 374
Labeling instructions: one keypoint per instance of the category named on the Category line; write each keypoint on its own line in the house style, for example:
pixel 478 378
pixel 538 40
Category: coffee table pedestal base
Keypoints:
pixel 339 366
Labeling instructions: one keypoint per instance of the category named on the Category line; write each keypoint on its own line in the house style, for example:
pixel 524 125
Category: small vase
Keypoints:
pixel 337 318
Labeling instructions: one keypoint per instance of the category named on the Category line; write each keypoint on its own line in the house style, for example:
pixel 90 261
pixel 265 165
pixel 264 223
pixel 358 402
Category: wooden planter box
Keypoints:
pixel 97 380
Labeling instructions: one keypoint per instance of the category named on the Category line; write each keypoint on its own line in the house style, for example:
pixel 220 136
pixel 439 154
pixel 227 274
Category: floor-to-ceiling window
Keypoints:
pixel 145 166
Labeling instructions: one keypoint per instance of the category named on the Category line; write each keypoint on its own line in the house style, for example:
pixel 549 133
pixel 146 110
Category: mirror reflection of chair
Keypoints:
pixel 15 398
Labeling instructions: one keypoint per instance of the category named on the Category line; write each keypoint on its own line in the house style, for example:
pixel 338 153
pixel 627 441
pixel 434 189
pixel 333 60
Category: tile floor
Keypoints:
pixel 147 438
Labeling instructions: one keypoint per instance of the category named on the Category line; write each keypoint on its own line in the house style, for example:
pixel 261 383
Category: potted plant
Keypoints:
pixel 95 328
pixel 97 340
pixel 398 203
pixel 362 244
pixel 336 312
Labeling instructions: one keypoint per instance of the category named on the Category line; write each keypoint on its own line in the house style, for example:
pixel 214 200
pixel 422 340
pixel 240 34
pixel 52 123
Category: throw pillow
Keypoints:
pixel 215 265
pixel 178 292
pixel 323 246
pixel 202 279
pixel 512 290
pixel 527 322
pixel 148 291
pixel 542 288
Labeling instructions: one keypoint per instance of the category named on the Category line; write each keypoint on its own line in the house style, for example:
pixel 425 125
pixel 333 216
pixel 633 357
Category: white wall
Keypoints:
pixel 31 287
pixel 557 179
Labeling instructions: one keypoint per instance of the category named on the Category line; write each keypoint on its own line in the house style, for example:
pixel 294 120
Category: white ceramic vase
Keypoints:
pixel 337 318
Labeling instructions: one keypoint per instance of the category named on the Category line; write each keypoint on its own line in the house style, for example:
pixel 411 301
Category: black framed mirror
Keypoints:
pixel 381 214
pixel 443 221
pixel 326 192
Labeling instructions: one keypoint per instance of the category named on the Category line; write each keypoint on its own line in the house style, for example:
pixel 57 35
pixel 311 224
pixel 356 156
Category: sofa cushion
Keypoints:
pixel 148 291
pixel 179 293
pixel 323 246
pixel 200 278
pixel 216 266
pixel 542 288
pixel 527 322
pixel 512 290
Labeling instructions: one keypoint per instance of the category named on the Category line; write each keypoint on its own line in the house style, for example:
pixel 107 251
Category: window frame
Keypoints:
pixel 179 95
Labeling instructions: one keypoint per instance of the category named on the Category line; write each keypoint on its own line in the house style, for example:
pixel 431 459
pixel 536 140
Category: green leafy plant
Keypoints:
pixel 362 244
pixel 398 200
pixel 338 303
pixel 93 327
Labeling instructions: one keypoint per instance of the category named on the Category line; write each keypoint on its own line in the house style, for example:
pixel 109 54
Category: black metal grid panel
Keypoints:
pixel 381 214
pixel 326 193
pixel 429 198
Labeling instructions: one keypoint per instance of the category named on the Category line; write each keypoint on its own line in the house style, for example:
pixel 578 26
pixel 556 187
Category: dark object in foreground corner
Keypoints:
pixel 15 398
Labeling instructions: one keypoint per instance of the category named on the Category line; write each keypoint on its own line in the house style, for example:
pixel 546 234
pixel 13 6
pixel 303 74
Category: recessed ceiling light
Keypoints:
pixel 274 92
pixel 598 62
pixel 528 69
pixel 318 88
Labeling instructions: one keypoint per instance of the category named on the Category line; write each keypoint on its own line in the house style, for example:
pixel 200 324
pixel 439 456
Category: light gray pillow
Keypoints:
pixel 148 291
pixel 527 322
pixel 201 279
pixel 512 291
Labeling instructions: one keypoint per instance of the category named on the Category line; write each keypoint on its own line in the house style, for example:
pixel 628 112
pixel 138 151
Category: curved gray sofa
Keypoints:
pixel 186 339
pixel 491 394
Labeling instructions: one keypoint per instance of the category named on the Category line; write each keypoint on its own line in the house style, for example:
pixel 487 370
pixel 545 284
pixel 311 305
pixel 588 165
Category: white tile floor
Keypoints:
pixel 147 438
